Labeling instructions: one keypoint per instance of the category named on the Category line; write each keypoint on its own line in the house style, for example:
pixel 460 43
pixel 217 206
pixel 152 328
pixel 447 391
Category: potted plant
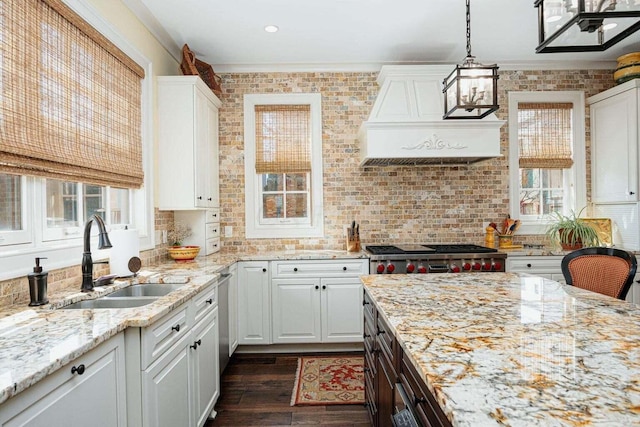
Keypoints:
pixel 571 232
pixel 176 250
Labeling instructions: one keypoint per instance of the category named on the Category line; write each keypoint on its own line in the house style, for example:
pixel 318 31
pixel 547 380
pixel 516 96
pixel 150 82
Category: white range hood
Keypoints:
pixel 406 126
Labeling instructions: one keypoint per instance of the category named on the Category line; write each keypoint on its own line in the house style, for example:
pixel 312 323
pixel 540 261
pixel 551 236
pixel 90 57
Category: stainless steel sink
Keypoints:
pixel 113 303
pixel 148 290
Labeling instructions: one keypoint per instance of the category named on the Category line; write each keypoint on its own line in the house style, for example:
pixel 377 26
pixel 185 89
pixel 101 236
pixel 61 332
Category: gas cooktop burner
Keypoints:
pixel 428 249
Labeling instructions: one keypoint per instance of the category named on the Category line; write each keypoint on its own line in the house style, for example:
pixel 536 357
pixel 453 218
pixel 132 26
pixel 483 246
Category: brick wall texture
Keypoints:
pixel 408 204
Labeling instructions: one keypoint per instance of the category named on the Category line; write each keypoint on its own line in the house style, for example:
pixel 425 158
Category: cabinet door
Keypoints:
pixel 166 395
pixel 233 309
pixel 94 398
pixel 206 378
pixel 614 148
pixel 202 152
pixel 254 303
pixel 296 310
pixel 341 307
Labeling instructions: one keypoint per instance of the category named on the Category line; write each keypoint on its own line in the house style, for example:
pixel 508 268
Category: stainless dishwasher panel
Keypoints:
pixel 223 319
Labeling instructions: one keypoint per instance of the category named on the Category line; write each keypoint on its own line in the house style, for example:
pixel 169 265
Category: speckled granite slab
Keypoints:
pixel 517 350
pixel 35 342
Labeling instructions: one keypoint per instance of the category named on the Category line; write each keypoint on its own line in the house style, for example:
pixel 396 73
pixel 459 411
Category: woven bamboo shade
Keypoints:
pixel 70 107
pixel 283 138
pixel 544 135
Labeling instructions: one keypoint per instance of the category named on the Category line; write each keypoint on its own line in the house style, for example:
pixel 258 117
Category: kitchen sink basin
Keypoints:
pixel 113 303
pixel 148 290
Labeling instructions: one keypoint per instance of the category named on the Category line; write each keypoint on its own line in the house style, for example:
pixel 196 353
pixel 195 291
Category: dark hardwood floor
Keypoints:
pixel 256 391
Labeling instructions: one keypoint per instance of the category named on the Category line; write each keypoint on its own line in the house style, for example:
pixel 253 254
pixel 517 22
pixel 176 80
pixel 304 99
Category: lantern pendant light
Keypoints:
pixel 585 25
pixel 471 90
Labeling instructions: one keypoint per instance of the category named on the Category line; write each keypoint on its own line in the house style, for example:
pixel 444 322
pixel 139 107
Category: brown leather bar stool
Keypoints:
pixel 607 271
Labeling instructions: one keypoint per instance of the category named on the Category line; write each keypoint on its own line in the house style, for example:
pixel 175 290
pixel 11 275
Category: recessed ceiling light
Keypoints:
pixel 271 28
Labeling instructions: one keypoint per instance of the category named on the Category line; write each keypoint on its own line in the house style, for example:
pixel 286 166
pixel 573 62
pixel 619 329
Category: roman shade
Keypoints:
pixel 70 107
pixel 544 135
pixel 283 138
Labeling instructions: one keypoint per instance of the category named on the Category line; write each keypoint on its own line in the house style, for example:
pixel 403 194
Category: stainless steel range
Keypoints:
pixel 434 259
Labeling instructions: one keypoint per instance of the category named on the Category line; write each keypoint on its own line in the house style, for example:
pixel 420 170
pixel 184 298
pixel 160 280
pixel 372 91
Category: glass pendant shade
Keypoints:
pixel 585 25
pixel 471 91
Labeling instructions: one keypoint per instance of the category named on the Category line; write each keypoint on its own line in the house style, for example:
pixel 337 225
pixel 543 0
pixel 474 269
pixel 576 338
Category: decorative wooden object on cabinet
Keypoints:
pixel 90 391
pixel 317 301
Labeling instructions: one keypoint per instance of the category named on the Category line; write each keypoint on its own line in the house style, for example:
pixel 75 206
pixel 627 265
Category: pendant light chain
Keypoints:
pixel 468 30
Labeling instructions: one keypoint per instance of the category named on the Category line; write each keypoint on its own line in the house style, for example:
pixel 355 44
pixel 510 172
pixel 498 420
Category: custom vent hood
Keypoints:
pixel 406 125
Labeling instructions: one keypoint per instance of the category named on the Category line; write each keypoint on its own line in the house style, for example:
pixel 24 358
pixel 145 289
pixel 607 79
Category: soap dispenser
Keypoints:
pixel 38 284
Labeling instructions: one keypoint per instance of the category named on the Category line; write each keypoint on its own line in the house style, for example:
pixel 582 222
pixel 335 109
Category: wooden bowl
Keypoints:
pixel 183 253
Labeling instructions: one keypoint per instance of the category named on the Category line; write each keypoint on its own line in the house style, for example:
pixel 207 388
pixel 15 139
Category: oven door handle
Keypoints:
pixel 438 268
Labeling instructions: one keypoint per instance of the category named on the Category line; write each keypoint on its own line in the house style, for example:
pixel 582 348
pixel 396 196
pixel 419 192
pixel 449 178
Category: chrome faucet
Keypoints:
pixel 87 262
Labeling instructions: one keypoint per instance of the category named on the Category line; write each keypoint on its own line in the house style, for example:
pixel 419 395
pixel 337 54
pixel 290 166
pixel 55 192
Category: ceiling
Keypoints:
pixel 357 34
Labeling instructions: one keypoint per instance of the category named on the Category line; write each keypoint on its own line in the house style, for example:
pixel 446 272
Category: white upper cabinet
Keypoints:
pixel 188 167
pixel 614 144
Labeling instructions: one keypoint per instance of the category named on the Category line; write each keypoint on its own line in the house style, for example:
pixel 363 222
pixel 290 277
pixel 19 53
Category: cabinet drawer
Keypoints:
pixel 386 340
pixel 212 246
pixel 212 215
pixel 163 334
pixel 347 267
pixel 212 230
pixel 205 302
pixel 534 265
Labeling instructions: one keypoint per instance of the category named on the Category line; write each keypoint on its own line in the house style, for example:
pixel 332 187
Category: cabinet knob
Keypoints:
pixel 199 197
pixel 209 301
pixel 365 336
pixel 344 268
pixel 317 287
pixel 196 344
pixel 324 286
pixel 380 332
pixel 528 265
pixel 295 268
pixel 176 328
pixel 631 193
pixel 418 400
pixel 264 270
pixel 209 199
pixel 78 370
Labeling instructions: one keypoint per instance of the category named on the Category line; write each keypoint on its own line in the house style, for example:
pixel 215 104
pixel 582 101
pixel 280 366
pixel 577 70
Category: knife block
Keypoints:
pixel 353 241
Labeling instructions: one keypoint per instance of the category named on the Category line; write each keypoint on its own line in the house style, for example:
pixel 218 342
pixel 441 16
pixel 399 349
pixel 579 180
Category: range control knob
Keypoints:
pixel 466 266
pixel 497 266
pixel 476 266
pixel 390 268
pixel 380 268
pixel 486 266
pixel 411 267
pixel 422 269
pixel 455 268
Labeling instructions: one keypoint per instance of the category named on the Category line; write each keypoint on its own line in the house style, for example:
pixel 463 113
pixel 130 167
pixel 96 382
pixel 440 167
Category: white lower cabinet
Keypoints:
pixel 254 303
pixel 173 365
pixel 90 391
pixel 326 308
pixel 543 266
pixel 233 308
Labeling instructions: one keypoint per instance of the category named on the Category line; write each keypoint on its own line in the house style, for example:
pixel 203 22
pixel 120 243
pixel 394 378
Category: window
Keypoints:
pixel 41 213
pixel 283 165
pixel 546 156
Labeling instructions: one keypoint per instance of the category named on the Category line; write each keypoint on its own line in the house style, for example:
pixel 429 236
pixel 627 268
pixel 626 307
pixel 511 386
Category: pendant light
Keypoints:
pixel 471 90
pixel 585 25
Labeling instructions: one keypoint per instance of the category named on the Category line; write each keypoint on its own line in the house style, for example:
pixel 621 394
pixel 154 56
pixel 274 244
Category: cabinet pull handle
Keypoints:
pixel 264 270
pixel 380 332
pixel 365 335
pixel 528 265
pixel 418 400
pixel 317 287
pixel 295 268
pixel 209 301
pixel 78 370
pixel 365 302
pixel 176 328
pixel 366 369
pixel 344 268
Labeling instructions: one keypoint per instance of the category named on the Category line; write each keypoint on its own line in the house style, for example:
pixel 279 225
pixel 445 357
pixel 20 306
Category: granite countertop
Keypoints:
pixel 517 350
pixel 36 341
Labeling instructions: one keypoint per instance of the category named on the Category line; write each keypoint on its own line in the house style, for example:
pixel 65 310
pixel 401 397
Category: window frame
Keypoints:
pixel 254 226
pixel 16 260
pixel 575 178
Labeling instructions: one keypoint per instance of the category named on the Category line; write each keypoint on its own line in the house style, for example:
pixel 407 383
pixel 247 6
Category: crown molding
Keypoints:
pixel 151 23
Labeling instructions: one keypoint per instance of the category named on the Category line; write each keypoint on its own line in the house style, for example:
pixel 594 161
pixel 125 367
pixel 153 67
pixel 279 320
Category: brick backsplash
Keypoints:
pixel 408 204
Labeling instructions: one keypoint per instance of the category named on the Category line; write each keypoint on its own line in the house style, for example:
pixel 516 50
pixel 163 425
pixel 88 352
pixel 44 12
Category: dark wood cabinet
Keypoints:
pixel 386 368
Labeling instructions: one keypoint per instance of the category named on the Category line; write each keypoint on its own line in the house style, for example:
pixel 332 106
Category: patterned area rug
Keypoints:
pixel 329 381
